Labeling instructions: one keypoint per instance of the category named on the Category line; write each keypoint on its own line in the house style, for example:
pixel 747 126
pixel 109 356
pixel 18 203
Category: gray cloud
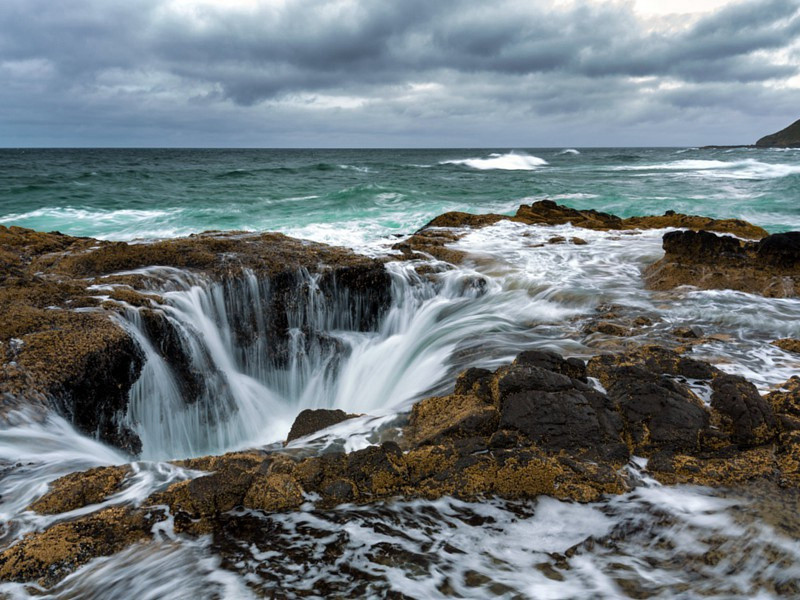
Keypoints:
pixel 386 72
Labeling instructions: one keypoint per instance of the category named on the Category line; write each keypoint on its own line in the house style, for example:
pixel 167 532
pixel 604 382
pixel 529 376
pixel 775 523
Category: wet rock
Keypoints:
pixel 474 381
pixel 552 361
pixel 83 364
pixel 607 328
pixel 689 332
pixel 708 261
pixel 655 359
pixel 658 412
pixel 77 490
pixel 747 415
pixel 457 415
pixel 572 419
pixel 273 493
pixel 788 344
pixel 756 464
pixel 48 556
pixel 313 420
pixel 434 238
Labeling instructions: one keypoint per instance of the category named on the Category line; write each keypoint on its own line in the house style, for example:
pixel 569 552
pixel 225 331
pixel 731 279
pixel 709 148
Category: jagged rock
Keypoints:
pixel 691 332
pixel 785 404
pixel 788 344
pixel 655 359
pixel 658 412
pixel 77 490
pixel 457 415
pixel 433 239
pixel 708 261
pixel 607 328
pixel 313 420
pixel 474 381
pixel 552 361
pixel 747 415
pixel 48 556
pixel 788 137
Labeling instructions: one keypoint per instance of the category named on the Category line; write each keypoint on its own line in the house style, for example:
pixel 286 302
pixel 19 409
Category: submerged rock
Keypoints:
pixel 770 267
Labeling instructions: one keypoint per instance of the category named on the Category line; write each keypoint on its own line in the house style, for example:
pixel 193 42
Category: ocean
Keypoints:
pixel 357 197
pixel 655 541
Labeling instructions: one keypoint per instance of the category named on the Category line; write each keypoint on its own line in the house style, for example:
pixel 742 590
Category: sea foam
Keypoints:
pixel 511 161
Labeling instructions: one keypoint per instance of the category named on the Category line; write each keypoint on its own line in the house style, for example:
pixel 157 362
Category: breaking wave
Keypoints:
pixel 511 161
pixel 740 169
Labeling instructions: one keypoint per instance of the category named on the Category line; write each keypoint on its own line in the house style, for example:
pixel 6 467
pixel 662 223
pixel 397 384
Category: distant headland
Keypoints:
pixel 785 138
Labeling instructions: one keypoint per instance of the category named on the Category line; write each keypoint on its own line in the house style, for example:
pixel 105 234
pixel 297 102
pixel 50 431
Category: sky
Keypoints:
pixel 396 73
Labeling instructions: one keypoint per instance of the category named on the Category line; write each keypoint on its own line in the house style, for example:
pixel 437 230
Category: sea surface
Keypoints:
pixel 655 542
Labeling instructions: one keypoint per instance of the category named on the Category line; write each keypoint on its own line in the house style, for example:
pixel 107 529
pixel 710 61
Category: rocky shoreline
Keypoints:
pixel 543 425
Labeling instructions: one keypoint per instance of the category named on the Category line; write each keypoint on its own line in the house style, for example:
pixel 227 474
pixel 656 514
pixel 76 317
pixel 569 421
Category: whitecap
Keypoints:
pixel 569 151
pixel 511 161
pixel 740 169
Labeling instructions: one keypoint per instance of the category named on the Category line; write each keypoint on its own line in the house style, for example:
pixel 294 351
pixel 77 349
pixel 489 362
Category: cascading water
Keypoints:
pixel 253 383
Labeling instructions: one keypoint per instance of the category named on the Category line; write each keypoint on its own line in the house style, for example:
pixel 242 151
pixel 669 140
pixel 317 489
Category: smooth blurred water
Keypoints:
pixel 355 197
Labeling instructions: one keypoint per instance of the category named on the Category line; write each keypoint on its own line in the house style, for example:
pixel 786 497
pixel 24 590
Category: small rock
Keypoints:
pixel 312 420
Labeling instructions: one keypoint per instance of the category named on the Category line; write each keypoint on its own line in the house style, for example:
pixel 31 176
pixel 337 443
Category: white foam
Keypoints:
pixel 569 151
pixel 512 161
pixel 739 169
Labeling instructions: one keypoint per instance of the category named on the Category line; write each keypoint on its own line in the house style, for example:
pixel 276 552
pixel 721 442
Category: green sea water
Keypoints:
pixel 355 197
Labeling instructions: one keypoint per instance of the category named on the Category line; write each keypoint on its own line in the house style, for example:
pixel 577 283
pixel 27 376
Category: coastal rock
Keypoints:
pixel 77 490
pixel 46 557
pixel 533 427
pixel 770 267
pixel 748 417
pixel 651 358
pixel 434 238
pixel 313 420
pixel 658 412
pixel 788 137
pixel 788 344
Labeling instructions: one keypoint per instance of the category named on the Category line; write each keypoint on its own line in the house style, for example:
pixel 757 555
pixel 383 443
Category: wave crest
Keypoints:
pixel 511 161
pixel 740 169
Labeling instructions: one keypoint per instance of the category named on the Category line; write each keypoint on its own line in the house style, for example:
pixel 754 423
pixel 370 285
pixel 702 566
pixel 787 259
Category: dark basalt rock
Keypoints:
pixel 702 246
pixel 313 420
pixel 659 413
pixel 569 419
pixel 780 250
pixel 748 416
pixel 708 261
pixel 552 361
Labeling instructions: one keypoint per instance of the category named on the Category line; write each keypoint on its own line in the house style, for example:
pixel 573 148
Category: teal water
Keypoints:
pixel 355 197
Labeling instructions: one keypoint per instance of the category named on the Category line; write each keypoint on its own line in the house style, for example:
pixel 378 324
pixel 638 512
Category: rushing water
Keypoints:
pixel 516 291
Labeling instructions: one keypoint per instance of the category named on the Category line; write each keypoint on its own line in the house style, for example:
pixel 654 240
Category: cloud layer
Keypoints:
pixel 385 73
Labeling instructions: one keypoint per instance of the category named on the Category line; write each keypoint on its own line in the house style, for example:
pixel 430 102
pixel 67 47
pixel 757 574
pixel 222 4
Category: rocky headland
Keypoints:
pixel 545 424
pixel 788 137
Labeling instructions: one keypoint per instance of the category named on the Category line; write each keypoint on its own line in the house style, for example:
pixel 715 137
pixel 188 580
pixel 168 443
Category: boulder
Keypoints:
pixel 313 420
pixel 746 415
pixel 658 412
pixel 707 261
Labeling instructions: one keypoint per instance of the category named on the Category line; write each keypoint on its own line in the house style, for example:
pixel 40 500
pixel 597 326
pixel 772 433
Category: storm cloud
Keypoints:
pixel 385 73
